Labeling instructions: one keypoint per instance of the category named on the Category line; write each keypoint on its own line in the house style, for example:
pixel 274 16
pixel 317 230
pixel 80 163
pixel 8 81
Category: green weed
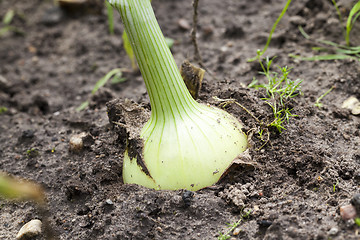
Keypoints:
pixel 3 109
pixel 7 19
pixel 232 226
pixel 318 103
pixel 353 16
pixel 357 221
pixel 279 90
pixel 116 77
pixel 31 153
pixel 260 53
pixel 334 50
pixel 335 185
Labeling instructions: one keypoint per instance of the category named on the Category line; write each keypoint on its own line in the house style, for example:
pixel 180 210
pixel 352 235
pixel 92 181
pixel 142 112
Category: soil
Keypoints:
pixel 294 185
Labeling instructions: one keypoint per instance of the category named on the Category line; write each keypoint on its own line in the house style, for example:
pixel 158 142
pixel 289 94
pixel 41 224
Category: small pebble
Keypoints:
pixel 183 24
pixel 353 104
pixel 52 16
pixel 333 231
pixel 30 230
pixel 109 202
pixel 76 143
pixel 224 49
pixel 347 212
pixel 236 231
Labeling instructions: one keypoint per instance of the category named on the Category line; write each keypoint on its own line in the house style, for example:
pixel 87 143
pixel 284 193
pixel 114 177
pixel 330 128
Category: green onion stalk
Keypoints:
pixel 186 145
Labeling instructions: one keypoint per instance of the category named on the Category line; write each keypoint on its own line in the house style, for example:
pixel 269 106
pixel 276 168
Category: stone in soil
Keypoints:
pixel 30 230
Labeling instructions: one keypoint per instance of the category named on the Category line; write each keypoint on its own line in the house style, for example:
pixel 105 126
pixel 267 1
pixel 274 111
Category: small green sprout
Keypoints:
pixel 357 221
pixel 279 89
pixel 31 153
pixel 7 19
pixel 335 185
pixel 318 103
pixel 231 227
pixel 3 109
pixel 353 16
pixel 116 77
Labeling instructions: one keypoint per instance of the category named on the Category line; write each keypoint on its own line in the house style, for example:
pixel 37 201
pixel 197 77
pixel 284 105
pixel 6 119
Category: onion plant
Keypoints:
pixel 186 145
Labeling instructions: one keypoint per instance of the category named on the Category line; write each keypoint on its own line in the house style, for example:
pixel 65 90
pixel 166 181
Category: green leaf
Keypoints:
pixel 348 51
pixel 115 74
pixel 350 21
pixel 3 110
pixel 169 42
pixel 82 106
pixel 128 49
pixel 5 30
pixel 357 221
pixel 8 17
pixel 110 15
pixel 106 78
pixel 117 79
pixel 8 28
pixel 324 57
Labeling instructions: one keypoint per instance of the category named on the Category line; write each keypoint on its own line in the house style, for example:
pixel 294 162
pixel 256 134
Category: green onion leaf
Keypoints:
pixel 8 17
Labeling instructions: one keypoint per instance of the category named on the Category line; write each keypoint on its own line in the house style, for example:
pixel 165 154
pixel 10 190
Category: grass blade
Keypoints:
pixel 110 15
pixel 8 17
pixel 82 106
pixel 350 21
pixel 324 57
pixel 271 32
pixel 106 78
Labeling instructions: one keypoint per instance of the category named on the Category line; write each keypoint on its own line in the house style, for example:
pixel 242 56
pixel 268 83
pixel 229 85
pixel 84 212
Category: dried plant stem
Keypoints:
pixel 197 55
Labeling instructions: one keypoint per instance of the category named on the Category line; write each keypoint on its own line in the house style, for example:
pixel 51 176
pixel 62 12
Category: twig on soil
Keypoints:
pixel 197 55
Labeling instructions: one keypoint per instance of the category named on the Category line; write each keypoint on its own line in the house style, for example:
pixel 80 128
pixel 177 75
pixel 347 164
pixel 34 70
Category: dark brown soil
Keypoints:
pixel 288 184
